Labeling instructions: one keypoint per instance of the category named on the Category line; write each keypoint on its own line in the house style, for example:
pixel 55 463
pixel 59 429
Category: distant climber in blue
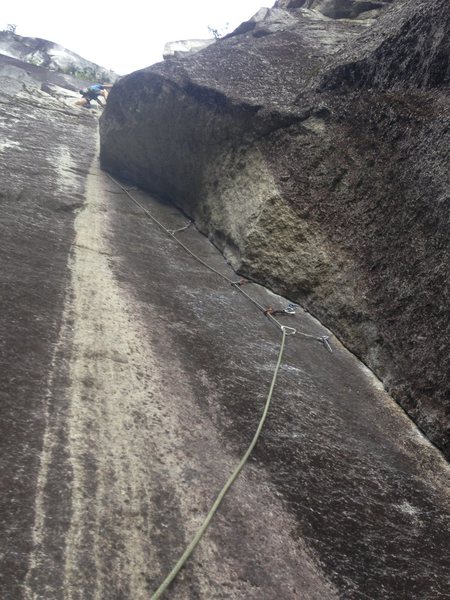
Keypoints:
pixel 94 92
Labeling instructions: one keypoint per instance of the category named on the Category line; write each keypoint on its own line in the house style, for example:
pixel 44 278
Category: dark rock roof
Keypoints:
pixel 343 120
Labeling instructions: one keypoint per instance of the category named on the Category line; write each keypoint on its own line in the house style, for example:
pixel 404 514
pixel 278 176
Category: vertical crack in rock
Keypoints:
pixel 333 131
pixel 133 379
pixel 109 481
pixel 121 475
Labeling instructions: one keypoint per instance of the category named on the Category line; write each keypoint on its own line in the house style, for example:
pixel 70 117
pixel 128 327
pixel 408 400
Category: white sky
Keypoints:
pixel 124 35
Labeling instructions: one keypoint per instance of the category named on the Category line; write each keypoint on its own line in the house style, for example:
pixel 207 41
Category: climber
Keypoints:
pixel 93 92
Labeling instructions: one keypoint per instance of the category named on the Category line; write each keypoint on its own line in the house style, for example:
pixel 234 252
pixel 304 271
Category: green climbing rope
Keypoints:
pixel 285 331
pixel 171 233
pixel 198 536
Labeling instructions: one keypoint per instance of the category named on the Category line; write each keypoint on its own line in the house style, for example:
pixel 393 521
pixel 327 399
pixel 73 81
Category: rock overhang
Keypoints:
pixel 253 109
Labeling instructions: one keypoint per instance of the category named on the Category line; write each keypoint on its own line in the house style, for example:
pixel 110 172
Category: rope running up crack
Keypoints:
pixel 322 339
pixel 285 332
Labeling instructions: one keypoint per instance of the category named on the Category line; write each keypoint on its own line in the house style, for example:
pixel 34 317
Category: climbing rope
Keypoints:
pixel 285 332
pixel 198 536
pixel 236 284
pixel 169 232
pixel 180 229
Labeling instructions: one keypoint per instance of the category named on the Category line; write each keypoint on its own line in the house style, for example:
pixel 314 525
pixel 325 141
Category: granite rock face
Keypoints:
pixel 315 157
pixel 132 377
pixel 339 9
pixel 46 146
pixel 53 57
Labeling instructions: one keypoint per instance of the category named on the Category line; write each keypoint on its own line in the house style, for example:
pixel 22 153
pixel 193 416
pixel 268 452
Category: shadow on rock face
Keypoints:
pixel 334 128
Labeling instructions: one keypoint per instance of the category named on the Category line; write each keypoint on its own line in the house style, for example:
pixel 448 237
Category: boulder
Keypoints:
pixel 315 159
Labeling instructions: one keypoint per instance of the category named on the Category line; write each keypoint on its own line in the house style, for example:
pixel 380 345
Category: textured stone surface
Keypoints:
pixel 265 22
pixel 132 379
pixel 49 55
pixel 316 158
pixel 340 9
pixel 46 148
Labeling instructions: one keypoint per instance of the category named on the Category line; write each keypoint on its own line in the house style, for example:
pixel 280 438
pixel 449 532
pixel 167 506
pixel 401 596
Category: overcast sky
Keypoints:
pixel 128 35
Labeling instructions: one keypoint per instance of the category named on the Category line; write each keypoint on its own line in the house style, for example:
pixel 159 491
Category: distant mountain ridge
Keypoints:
pixel 43 53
